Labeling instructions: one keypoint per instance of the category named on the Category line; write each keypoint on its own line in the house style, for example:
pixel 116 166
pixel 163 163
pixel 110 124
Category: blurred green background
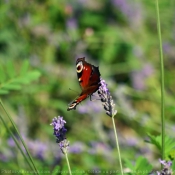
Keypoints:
pixel 119 36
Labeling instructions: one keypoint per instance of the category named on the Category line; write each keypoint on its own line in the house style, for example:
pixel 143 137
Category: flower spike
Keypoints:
pixel 106 99
pixel 166 168
pixel 60 133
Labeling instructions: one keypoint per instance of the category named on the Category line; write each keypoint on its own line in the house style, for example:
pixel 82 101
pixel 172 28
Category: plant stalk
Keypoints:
pixel 13 124
pixel 118 148
pixel 67 160
pixel 162 81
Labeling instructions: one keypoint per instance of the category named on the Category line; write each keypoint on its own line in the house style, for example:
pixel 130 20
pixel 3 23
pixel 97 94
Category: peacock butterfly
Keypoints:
pixel 89 80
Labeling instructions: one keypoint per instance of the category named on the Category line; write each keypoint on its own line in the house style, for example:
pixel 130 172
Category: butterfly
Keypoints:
pixel 89 80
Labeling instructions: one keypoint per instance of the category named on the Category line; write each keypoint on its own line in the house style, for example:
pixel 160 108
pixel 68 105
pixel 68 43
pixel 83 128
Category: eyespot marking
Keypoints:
pixel 79 66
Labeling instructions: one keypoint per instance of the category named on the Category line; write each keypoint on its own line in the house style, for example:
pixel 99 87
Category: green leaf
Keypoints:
pixel 10 69
pixel 3 91
pixel 65 168
pixel 157 141
pixel 129 164
pixel 169 145
pixel 24 67
pixel 172 154
pixel 173 165
pixel 28 77
pixel 33 75
pixel 12 86
pixel 142 166
pixel 2 75
pixel 15 82
pixel 56 170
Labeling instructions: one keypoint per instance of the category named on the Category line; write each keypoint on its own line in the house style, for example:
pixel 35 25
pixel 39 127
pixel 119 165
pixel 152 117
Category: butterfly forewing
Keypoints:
pixel 85 75
pixel 89 80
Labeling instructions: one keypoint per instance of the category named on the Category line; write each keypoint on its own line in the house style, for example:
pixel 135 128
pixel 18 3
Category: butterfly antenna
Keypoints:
pixel 72 101
pixel 73 90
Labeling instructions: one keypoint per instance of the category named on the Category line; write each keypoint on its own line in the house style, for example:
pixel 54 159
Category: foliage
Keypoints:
pixel 11 80
pixel 157 141
pixel 39 43
pixel 141 166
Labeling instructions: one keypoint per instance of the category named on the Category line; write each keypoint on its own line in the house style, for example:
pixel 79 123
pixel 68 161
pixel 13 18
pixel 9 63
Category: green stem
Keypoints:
pixel 16 141
pixel 28 153
pixel 162 81
pixel 67 160
pixel 118 148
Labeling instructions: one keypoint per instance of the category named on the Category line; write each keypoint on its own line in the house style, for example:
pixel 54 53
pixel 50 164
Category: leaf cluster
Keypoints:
pixel 11 79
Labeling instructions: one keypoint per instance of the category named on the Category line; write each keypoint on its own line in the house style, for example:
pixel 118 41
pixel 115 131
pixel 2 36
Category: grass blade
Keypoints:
pixel 162 80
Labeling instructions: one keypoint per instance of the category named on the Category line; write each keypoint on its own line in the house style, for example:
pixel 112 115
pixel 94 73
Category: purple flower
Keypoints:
pixel 167 47
pixel 139 77
pixel 100 148
pixel 60 132
pixel 58 123
pixel 71 23
pixel 132 141
pixel 89 107
pixel 59 129
pixel 165 163
pixel 106 99
pixel 166 169
pixel 11 142
pixel 3 157
pixel 132 11
pixel 37 148
pixel 77 147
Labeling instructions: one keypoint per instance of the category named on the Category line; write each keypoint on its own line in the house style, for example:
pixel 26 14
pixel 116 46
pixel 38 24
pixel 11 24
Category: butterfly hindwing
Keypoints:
pixel 89 80
pixel 77 101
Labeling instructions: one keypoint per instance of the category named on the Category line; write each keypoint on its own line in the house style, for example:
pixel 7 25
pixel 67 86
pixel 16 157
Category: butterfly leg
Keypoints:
pixel 90 97
pixel 93 99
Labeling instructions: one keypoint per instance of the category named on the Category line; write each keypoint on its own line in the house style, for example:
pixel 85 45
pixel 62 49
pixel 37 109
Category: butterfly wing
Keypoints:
pixel 89 80
pixel 84 70
pixel 77 101
pixel 88 74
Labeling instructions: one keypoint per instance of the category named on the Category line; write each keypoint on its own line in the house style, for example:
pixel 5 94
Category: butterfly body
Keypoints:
pixel 89 79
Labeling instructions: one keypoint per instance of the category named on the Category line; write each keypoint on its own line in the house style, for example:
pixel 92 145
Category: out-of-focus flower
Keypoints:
pixel 123 102
pixel 36 147
pixel 132 141
pixel 166 168
pixel 106 99
pixel 68 10
pixel 139 77
pixel 3 157
pixel 132 11
pixel 89 107
pixel 99 148
pixel 71 23
pixel 77 147
pixel 167 47
pixel 60 132
pixel 89 31
pixel 11 142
